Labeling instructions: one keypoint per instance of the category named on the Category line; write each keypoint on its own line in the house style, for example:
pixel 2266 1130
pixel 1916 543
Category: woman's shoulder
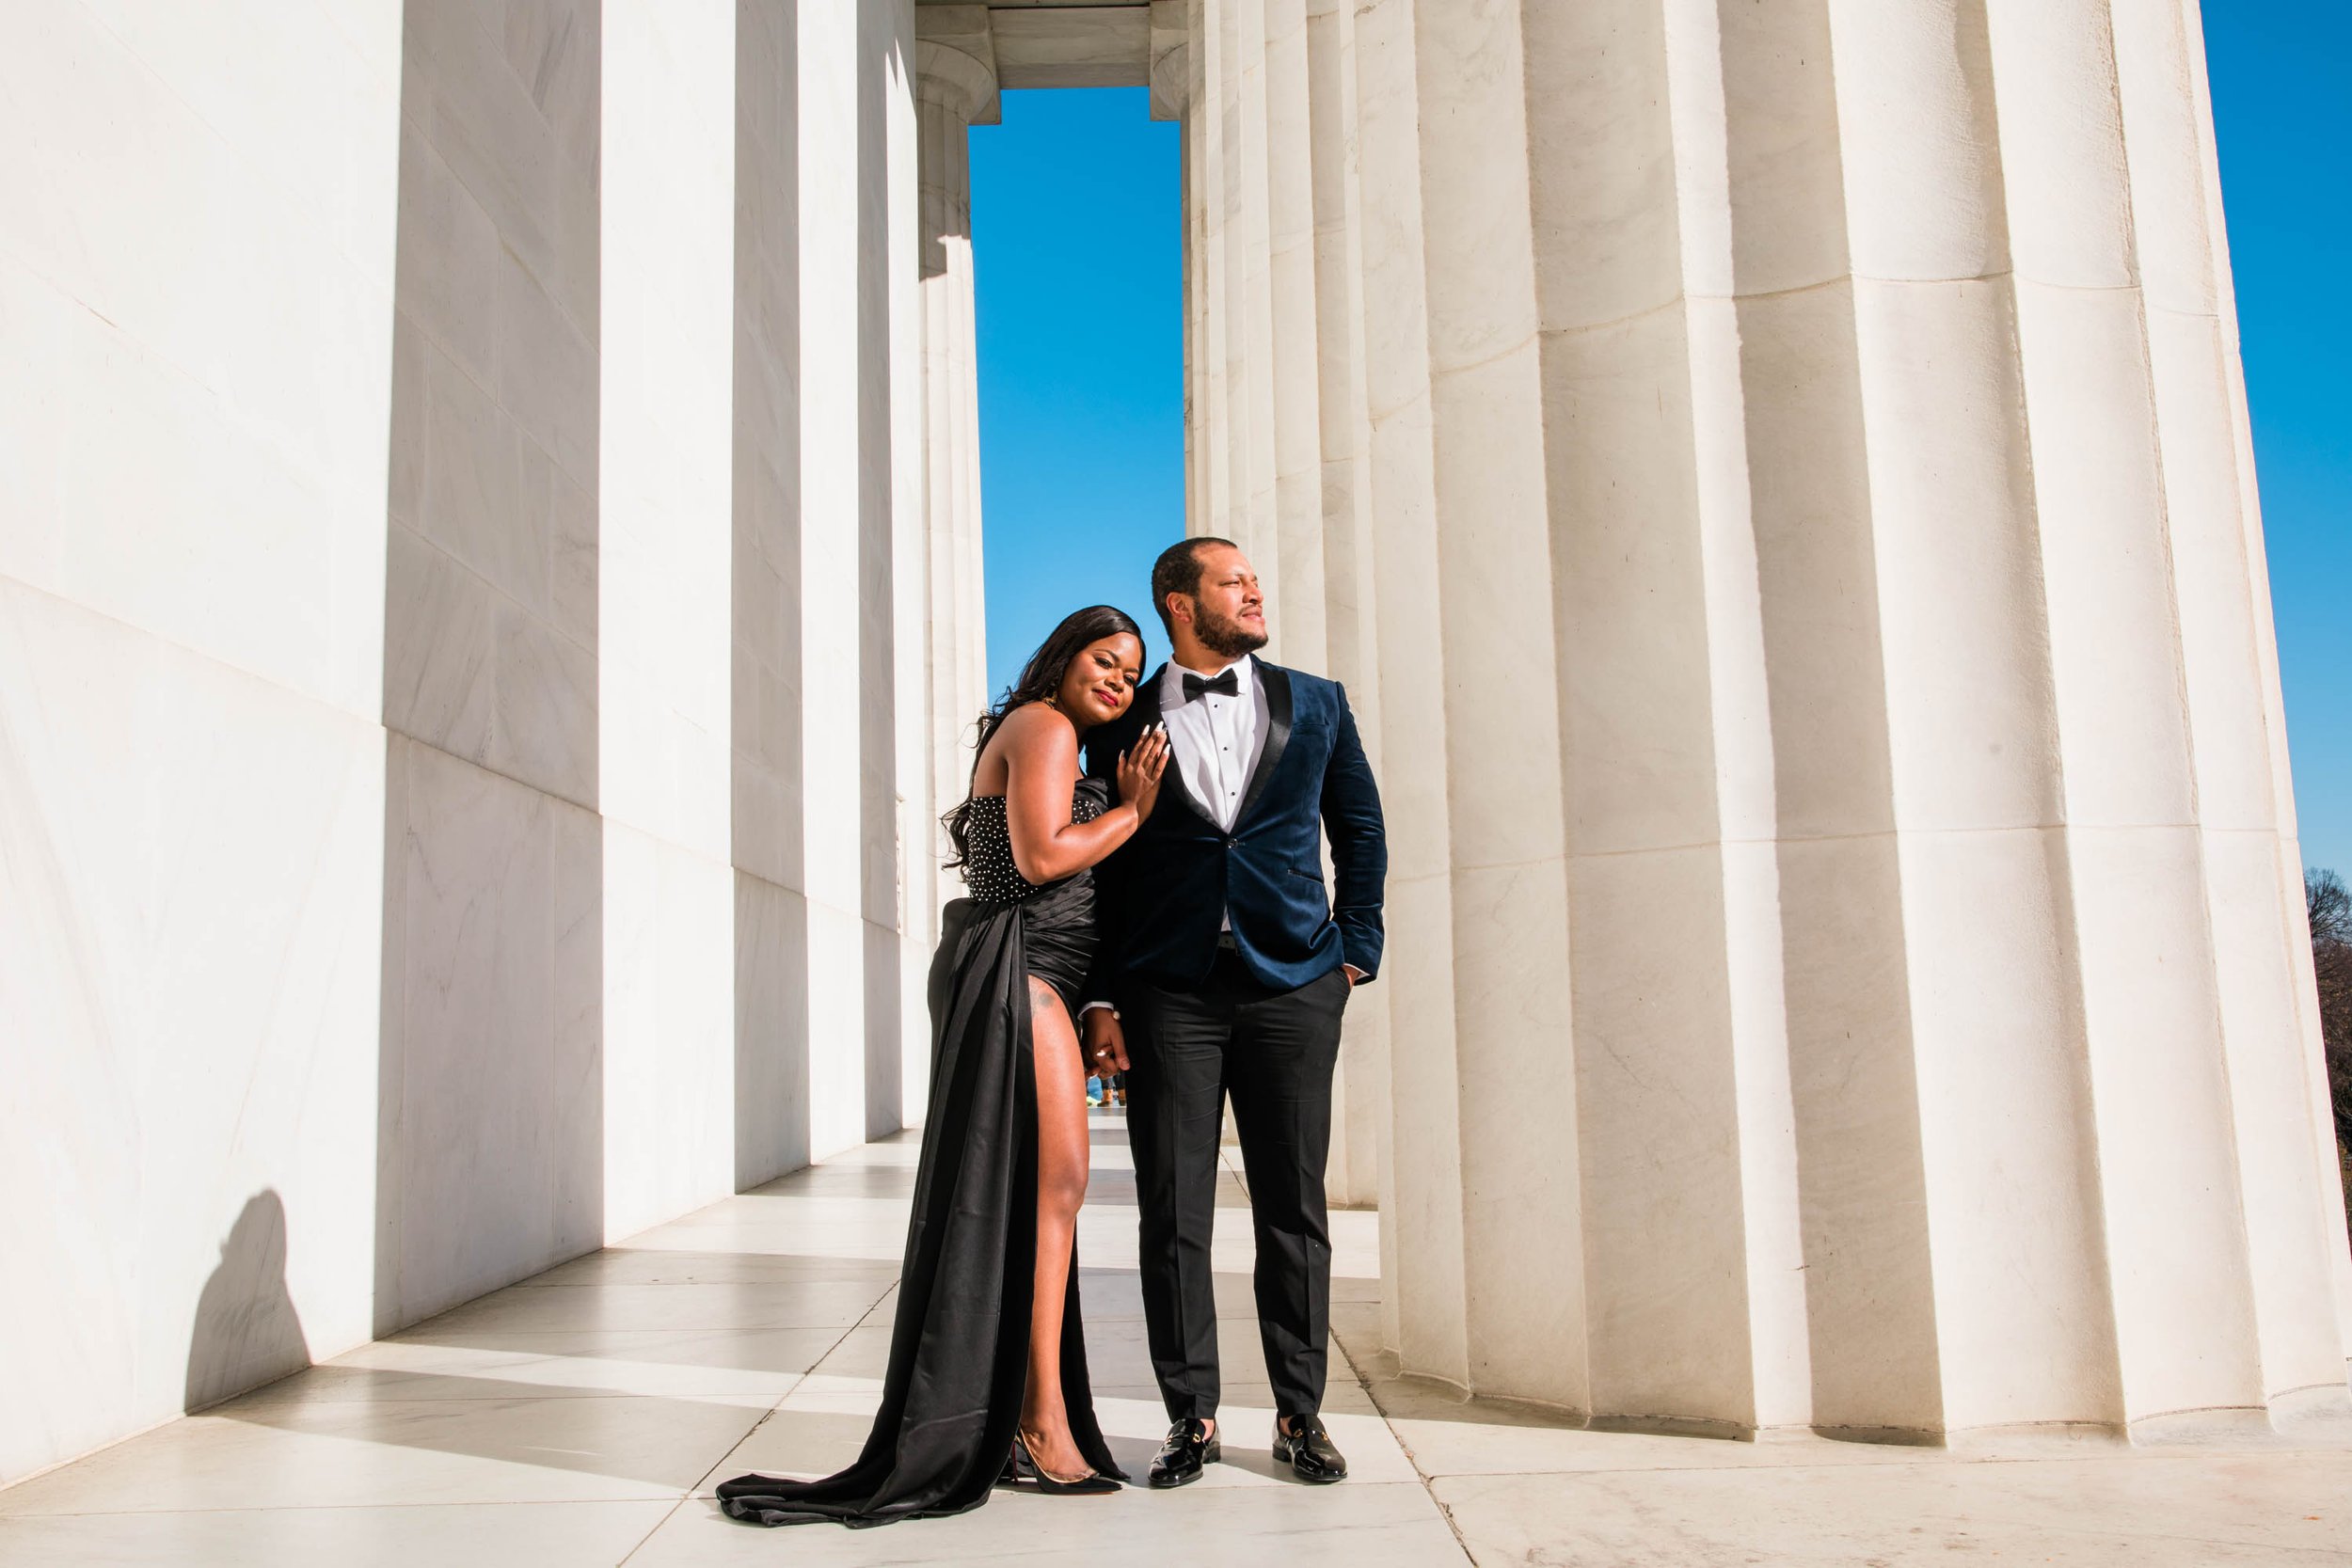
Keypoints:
pixel 1038 729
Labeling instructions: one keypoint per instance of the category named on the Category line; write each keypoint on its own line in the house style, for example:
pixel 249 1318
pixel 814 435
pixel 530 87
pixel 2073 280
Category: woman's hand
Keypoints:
pixel 1140 769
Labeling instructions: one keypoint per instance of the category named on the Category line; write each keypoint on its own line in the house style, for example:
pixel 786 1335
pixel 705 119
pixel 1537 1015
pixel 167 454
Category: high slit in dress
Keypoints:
pixel 959 1348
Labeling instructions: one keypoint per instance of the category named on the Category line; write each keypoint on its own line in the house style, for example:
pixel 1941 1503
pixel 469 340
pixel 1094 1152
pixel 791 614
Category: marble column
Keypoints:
pixel 667 561
pixel 906 906
pixel 1335 564
pixel 1238 163
pixel 1784 469
pixel 955 89
pixel 1174 76
pixel 773 1113
pixel 1208 414
pixel 492 1135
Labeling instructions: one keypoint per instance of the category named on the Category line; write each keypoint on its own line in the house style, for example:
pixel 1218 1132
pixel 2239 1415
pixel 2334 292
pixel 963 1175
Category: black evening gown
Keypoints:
pixel 960 1348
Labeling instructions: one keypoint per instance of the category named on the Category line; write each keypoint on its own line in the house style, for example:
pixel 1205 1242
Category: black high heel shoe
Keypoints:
pixel 1025 1471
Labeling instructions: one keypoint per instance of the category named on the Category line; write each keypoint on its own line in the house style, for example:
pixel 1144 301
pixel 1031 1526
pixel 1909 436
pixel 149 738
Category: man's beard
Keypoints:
pixel 1226 639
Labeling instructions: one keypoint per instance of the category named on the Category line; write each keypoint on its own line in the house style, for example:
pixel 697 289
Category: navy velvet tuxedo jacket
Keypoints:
pixel 1164 895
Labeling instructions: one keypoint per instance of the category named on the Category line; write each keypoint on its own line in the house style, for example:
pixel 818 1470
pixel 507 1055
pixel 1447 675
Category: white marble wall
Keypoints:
pixel 465 709
pixel 197 220
pixel 491 1121
pixel 1786 470
pixel 955 90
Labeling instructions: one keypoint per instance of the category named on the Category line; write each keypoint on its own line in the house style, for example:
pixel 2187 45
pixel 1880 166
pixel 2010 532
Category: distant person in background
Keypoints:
pixel 987 1379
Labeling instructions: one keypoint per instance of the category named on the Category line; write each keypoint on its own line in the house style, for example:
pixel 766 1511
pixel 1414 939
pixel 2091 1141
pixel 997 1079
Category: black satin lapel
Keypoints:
pixel 1277 681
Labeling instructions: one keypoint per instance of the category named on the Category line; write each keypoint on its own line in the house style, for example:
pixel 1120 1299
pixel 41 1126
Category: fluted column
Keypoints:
pixel 1423 1295
pixel 1783 493
pixel 1175 70
pixel 1209 415
pixel 1738 743
pixel 2251 865
pixel 1478 916
pixel 1296 586
pixel 955 89
pixel 1336 558
pixel 1233 188
pixel 1671 1037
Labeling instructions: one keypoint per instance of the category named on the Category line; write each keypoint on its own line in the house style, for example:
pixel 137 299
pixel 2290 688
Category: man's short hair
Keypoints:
pixel 1178 571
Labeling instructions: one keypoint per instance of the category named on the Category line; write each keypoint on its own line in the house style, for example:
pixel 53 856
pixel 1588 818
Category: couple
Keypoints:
pixel 1184 931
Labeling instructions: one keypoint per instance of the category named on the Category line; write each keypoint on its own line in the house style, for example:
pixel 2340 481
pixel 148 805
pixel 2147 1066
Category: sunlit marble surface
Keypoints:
pixel 583 1416
pixel 197 216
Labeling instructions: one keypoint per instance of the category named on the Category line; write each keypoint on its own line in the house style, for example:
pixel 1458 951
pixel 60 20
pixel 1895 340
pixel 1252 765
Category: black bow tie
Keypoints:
pixel 1224 685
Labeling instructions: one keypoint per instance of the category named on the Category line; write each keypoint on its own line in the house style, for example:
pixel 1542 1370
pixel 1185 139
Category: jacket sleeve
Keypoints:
pixel 1102 762
pixel 1360 845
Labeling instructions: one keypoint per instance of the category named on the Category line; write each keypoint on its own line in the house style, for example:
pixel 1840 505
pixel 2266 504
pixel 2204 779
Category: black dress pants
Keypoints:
pixel 1273 1050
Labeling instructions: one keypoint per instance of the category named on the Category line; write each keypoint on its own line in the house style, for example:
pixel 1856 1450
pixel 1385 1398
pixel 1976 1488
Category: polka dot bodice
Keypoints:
pixel 988 867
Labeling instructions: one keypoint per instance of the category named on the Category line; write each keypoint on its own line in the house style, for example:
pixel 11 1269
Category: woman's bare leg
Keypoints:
pixel 1061 1187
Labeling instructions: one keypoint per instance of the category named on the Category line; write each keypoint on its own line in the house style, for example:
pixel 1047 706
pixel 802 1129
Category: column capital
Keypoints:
pixel 955 61
pixel 1171 55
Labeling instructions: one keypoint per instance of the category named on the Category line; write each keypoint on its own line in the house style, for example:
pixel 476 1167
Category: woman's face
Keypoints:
pixel 1101 681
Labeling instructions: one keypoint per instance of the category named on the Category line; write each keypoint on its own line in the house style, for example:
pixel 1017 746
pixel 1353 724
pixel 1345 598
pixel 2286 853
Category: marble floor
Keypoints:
pixel 581 1418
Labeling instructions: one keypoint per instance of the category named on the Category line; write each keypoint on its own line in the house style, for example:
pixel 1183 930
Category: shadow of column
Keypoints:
pixel 246 1330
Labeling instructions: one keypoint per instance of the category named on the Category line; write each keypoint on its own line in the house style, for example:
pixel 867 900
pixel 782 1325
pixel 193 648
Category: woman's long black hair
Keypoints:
pixel 1040 680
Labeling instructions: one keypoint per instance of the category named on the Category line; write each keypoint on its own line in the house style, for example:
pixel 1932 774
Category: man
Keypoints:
pixel 1222 969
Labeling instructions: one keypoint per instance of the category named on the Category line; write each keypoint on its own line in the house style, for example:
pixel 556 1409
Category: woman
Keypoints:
pixel 986 1378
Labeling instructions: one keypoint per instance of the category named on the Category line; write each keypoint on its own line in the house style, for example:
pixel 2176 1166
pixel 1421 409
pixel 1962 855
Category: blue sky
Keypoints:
pixel 1081 341
pixel 2283 113
pixel 1078 244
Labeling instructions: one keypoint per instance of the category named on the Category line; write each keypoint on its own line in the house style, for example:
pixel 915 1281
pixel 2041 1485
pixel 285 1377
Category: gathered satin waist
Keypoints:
pixel 1058 931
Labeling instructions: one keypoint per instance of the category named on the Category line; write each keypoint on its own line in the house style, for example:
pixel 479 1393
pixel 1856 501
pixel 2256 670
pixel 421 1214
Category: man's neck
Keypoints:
pixel 1206 664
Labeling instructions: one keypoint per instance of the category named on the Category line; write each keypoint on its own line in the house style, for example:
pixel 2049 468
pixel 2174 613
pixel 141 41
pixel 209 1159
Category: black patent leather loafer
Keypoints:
pixel 1190 1445
pixel 1308 1451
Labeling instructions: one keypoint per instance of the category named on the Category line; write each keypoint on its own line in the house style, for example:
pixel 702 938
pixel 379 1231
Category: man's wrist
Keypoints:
pixel 1086 1008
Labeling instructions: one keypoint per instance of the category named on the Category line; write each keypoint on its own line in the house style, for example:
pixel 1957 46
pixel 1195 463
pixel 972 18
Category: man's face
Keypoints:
pixel 1228 612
